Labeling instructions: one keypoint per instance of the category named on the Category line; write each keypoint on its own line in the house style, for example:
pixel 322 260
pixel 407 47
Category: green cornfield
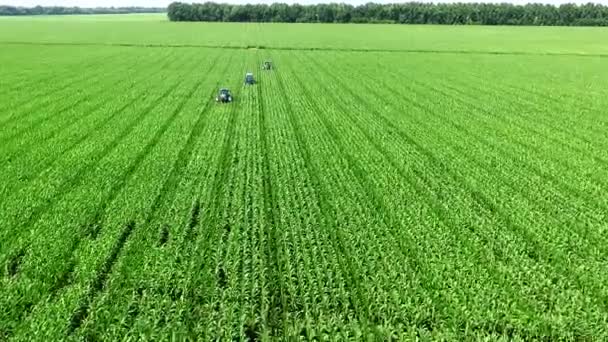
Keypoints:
pixel 382 182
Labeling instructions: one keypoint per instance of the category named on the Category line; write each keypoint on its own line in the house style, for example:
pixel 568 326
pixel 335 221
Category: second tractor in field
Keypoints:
pixel 225 96
pixel 249 78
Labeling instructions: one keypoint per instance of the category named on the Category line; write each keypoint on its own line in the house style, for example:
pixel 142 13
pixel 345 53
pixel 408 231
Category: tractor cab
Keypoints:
pixel 249 78
pixel 224 96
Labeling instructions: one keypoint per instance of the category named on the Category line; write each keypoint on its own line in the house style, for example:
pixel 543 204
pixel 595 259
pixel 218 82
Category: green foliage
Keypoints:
pixel 453 193
pixel 405 13
pixel 60 10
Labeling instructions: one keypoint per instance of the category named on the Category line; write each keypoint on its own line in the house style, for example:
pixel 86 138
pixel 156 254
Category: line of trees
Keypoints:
pixel 404 13
pixel 59 10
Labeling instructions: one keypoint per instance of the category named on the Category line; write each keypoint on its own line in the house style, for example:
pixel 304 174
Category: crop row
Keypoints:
pixel 343 196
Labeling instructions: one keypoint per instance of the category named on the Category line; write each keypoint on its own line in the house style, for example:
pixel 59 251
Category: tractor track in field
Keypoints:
pixel 309 240
pixel 526 145
pixel 548 97
pixel 53 115
pixel 184 155
pixel 28 83
pixel 522 125
pixel 478 196
pixel 207 217
pixel 530 104
pixel 484 202
pixel 190 233
pixel 289 48
pixel 44 165
pixel 327 211
pixel 270 217
pixel 368 186
pixel 562 186
pixel 514 112
pixel 169 187
pixel 355 194
pixel 168 190
pixel 99 283
pixel 525 120
pixel 19 113
pixel 135 164
pixel 49 100
pixel 86 62
pixel 97 222
pixel 314 247
pixel 67 185
pixel 361 175
pixel 565 188
pixel 367 190
pixel 79 118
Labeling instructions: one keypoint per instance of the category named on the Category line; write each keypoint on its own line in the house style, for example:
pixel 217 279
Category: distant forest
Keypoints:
pixel 403 13
pixel 58 10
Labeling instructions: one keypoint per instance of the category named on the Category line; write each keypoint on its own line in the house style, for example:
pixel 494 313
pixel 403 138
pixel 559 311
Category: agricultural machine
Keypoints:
pixel 249 78
pixel 224 96
pixel 267 65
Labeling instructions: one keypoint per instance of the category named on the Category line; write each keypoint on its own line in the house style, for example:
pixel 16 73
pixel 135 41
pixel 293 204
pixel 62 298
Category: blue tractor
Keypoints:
pixel 249 78
pixel 267 65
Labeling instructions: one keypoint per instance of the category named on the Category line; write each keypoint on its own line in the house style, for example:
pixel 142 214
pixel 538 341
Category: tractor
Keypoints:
pixel 224 96
pixel 249 78
pixel 267 65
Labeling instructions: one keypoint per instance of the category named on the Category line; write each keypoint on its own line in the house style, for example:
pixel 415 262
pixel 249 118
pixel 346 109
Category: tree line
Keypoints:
pixel 60 10
pixel 403 13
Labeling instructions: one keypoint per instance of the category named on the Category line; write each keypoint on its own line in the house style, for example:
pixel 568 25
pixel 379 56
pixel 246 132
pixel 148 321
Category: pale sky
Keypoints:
pixel 163 3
